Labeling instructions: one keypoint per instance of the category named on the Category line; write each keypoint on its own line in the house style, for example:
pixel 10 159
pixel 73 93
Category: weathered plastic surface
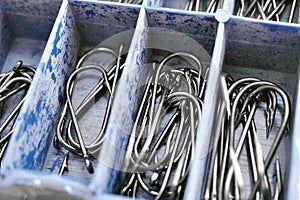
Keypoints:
pixel 52 35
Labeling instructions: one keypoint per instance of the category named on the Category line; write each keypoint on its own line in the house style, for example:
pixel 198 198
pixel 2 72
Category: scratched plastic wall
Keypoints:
pixel 52 35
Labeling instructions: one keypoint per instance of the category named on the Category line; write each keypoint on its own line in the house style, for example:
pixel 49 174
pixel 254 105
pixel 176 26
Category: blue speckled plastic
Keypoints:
pixel 52 34
pixel 38 112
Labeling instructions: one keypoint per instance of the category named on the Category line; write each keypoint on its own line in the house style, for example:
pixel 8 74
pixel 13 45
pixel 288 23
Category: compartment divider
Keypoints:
pixel 198 171
pixel 292 180
pixel 124 108
pixel 31 161
pixel 38 113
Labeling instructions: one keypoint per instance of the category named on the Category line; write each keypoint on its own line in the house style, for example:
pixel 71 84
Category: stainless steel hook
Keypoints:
pixel 64 127
pixel 267 10
pixel 161 145
pixel 14 83
pixel 245 96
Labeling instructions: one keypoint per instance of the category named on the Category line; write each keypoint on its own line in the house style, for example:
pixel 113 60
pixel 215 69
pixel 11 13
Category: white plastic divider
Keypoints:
pixel 262 49
pixel 27 149
pixel 205 133
pixel 31 160
pixel 293 178
pixel 153 31
pixel 229 5
pixel 28 144
pixel 123 110
pixel 239 46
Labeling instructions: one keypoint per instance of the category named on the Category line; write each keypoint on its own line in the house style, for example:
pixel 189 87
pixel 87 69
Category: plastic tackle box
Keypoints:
pixel 53 34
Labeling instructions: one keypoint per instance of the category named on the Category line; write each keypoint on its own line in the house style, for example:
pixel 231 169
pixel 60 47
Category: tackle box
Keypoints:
pixel 53 34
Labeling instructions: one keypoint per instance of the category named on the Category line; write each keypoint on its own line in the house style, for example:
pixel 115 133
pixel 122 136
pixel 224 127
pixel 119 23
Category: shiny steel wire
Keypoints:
pixel 13 84
pixel 267 9
pixel 203 5
pixel 244 97
pixel 66 128
pixel 161 145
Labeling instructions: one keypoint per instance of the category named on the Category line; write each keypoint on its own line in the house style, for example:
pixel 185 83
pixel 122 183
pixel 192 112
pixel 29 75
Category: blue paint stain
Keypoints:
pixel 40 150
pixel 31 119
pixel 102 15
pixel 90 12
pixel 56 50
pixel 53 77
pixel 274 28
pixel 63 71
pixel 38 106
pixel 49 64
pixel 30 160
pixel 188 20
pixel 56 163
pixel 60 95
pixel 170 17
pixel 65 57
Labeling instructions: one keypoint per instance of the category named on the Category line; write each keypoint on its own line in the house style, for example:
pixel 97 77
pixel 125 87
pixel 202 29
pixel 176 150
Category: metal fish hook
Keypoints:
pixel 244 97
pixel 263 86
pixel 267 10
pixel 198 5
pixel 109 81
pixel 161 146
pixel 13 83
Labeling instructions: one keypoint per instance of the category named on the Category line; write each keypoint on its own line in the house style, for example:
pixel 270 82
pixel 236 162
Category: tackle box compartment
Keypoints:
pixel 53 35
